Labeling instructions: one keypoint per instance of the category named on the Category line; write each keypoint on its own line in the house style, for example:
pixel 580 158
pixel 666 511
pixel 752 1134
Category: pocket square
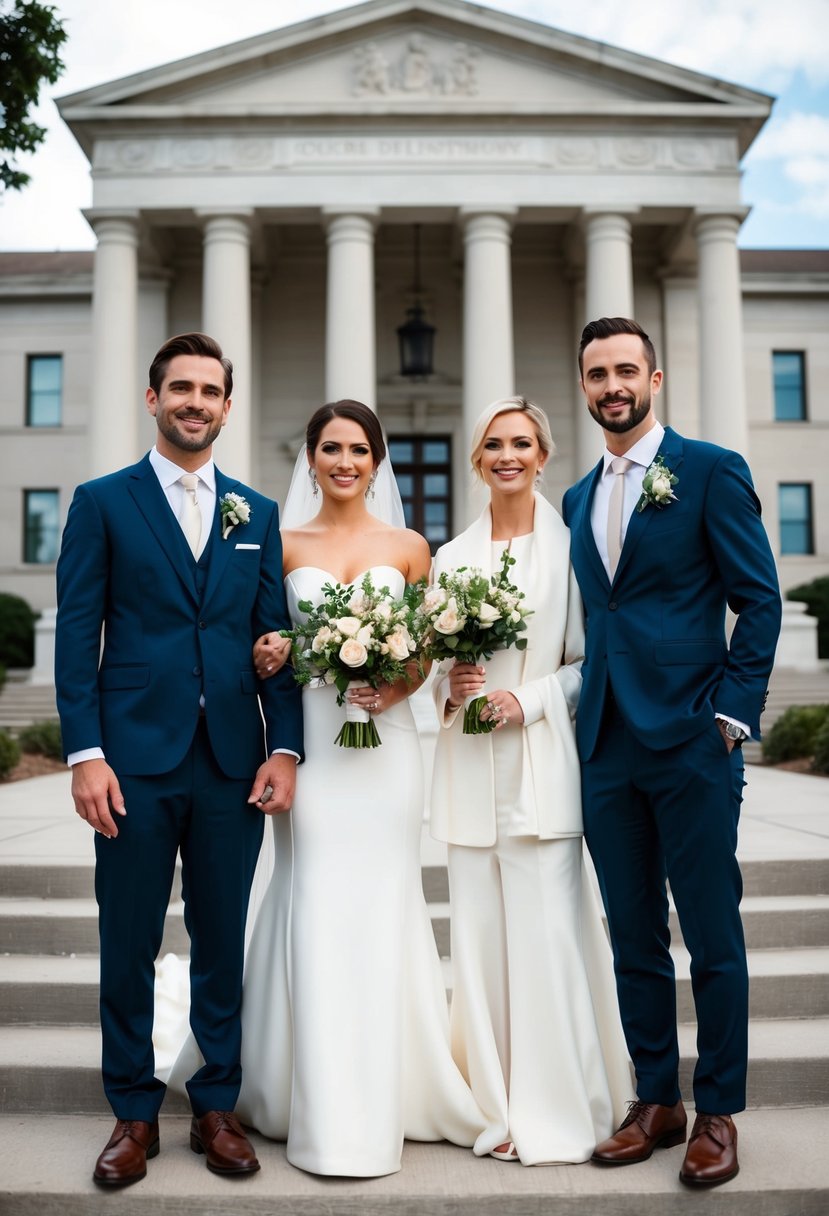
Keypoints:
pixel 248 546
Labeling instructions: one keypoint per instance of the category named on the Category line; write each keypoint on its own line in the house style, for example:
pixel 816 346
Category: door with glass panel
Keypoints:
pixel 423 468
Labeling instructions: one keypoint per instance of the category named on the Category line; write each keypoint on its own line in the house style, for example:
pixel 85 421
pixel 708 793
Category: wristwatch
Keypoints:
pixel 733 732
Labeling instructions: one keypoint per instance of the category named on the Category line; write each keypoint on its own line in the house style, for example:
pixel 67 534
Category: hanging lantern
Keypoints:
pixel 416 336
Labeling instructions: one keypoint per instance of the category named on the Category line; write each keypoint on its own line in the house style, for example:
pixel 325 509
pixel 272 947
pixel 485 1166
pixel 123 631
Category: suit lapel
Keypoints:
pixel 222 549
pixel 146 490
pixel 671 452
pixel 584 529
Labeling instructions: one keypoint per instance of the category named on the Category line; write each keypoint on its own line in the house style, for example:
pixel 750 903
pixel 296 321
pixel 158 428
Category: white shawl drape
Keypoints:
pixel 463 807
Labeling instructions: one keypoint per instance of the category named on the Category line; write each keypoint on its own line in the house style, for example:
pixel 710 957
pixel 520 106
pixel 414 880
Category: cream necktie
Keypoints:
pixel 619 466
pixel 190 518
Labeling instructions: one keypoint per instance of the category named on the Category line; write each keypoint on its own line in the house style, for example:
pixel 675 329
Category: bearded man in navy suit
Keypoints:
pixel 181 568
pixel 665 534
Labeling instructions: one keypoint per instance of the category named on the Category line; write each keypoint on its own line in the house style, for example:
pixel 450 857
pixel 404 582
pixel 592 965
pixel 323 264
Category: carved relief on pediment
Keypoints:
pixel 415 70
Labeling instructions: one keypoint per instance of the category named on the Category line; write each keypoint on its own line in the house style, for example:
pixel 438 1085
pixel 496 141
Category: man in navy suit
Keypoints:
pixel 181 567
pixel 665 533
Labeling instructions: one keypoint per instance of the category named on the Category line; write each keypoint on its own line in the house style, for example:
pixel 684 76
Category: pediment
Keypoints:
pixel 413 56
pixel 407 64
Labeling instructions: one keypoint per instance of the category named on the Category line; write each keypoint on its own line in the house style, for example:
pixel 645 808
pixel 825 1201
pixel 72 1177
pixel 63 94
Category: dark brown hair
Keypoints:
pixel 356 412
pixel 608 327
pixel 189 344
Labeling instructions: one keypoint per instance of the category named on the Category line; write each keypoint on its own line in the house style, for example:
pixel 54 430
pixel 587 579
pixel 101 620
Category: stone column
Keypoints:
pixel 114 413
pixel 608 292
pixel 226 317
pixel 723 410
pixel 350 354
pixel 488 349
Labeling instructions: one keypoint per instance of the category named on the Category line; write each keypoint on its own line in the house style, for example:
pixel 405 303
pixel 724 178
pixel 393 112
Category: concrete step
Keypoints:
pixel 70 926
pixel 779 921
pixel 782 984
pixel 770 922
pixel 63 989
pixel 22 704
pixel 57 1068
pixel 74 879
pixel 781 1175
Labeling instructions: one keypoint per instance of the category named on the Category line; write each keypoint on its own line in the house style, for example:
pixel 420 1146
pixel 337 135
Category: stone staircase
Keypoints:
pixel 21 704
pixel 55 1117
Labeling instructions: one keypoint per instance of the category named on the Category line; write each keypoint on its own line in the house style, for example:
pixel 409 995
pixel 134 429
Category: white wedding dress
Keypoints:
pixel 345 1038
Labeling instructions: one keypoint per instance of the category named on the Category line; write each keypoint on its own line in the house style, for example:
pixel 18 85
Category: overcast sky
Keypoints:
pixel 776 46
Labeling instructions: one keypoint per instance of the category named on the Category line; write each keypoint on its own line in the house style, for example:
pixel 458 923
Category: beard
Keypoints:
pixel 638 412
pixel 166 423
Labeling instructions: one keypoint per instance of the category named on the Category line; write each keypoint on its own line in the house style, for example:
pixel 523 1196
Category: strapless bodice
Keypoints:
pixel 307 582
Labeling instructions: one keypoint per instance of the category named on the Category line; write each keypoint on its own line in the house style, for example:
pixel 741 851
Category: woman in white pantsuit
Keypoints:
pixel 535 1022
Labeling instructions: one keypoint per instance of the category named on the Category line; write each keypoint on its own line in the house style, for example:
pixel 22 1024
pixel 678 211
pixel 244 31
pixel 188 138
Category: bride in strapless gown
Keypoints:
pixel 345 1035
pixel 345 1046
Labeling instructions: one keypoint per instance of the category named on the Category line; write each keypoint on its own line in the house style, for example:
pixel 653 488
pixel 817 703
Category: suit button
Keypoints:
pixel 612 606
pixel 197 671
pixel 202 624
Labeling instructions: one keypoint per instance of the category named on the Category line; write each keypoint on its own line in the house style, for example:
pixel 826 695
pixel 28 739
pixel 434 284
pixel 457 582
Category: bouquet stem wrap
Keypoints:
pixel 358 729
pixel 472 724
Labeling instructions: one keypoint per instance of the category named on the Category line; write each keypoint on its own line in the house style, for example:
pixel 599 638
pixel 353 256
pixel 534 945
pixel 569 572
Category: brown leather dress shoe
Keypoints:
pixel 219 1135
pixel 711 1156
pixel 645 1127
pixel 124 1160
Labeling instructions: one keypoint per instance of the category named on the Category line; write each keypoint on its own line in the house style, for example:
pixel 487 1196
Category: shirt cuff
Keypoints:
pixel 734 722
pixel 285 751
pixel 531 704
pixel 89 753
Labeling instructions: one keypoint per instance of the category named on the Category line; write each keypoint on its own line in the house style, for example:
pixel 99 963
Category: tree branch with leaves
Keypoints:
pixel 31 36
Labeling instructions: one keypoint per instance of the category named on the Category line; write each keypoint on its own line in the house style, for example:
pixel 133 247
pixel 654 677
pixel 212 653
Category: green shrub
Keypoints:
pixel 820 763
pixel 42 739
pixel 816 596
pixel 17 632
pixel 793 734
pixel 9 753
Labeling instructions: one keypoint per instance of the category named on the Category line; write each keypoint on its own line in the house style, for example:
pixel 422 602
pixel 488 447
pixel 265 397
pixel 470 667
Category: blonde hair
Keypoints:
pixel 510 405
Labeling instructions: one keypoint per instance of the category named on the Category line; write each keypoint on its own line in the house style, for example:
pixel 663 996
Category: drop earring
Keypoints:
pixel 371 481
pixel 312 474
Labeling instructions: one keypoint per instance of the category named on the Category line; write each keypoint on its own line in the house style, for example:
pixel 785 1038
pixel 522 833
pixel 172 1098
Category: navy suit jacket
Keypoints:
pixel 125 567
pixel 657 634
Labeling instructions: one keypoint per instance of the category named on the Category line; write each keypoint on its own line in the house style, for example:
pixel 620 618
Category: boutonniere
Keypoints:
pixel 235 510
pixel 658 486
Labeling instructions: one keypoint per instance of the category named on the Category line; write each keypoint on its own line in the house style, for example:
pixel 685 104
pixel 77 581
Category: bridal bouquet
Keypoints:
pixel 356 635
pixel 467 617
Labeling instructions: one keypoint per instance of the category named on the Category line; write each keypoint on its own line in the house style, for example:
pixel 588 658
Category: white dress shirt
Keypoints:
pixel 168 475
pixel 642 454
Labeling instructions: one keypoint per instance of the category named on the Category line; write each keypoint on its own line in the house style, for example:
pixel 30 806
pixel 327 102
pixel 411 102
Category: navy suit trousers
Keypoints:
pixel 673 814
pixel 197 809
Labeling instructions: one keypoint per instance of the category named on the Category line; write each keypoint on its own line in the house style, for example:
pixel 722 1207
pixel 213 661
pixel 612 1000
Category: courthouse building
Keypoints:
pixel 416 164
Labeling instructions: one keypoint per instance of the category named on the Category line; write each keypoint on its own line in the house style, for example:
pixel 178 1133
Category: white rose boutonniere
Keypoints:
pixel 235 510
pixel 658 486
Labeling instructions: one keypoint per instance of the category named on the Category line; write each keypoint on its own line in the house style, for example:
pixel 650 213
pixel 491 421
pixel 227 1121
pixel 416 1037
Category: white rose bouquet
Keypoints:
pixel 356 635
pixel 467 617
